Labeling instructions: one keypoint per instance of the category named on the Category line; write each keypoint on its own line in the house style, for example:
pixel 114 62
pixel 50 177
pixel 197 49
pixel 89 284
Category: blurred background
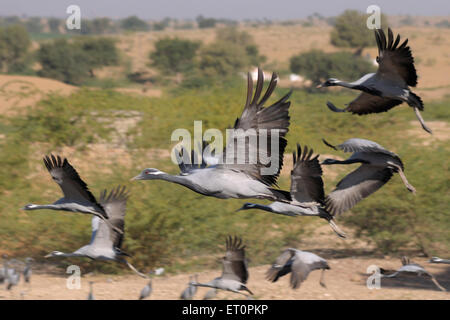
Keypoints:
pixel 109 95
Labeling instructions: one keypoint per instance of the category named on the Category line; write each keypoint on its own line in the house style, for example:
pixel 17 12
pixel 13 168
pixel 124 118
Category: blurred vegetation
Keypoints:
pixel 73 61
pixel 14 45
pixel 318 66
pixel 168 225
pixel 350 30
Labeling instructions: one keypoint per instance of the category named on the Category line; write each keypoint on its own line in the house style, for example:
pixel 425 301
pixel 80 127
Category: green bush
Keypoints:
pixel 174 55
pixel 350 30
pixel 317 65
pixel 14 45
pixel 133 23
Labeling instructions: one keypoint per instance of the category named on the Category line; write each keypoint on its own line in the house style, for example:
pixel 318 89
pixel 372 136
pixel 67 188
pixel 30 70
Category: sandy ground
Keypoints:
pixel 346 280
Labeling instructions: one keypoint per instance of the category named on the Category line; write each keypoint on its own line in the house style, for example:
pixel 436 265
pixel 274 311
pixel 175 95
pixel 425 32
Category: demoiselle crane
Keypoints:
pixel 389 86
pixel 191 290
pixel 77 197
pixel 235 270
pixel 377 167
pixel 106 242
pixel 146 291
pixel 27 270
pixel 243 173
pixel 91 291
pixel 410 269
pixel 299 264
pixel 306 191
pixel 439 260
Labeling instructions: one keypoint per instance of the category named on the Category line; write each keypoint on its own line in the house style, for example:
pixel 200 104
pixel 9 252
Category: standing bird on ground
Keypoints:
pixel 242 173
pixel 77 197
pixel 299 264
pixel 27 270
pixel 410 269
pixel 306 191
pixel 377 167
pixel 105 241
pixel 439 260
pixel 191 290
pixel 91 292
pixel 235 270
pixel 210 294
pixel 389 86
pixel 146 291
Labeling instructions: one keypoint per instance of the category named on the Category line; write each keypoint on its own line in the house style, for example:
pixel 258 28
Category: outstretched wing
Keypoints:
pixel 115 205
pixel 395 61
pixel 306 177
pixel 356 186
pixel 279 267
pixel 235 263
pixel 367 103
pixel 363 145
pixel 70 182
pixel 250 147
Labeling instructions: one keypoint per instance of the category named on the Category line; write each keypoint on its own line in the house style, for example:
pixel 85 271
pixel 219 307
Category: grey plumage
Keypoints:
pixel 105 241
pixel 307 191
pixel 146 291
pixel 299 264
pixel 191 290
pixel 377 167
pixel 239 175
pixel 235 269
pixel 389 86
pixel 27 270
pixel 210 294
pixel 439 260
pixel 77 197
pixel 91 291
pixel 409 268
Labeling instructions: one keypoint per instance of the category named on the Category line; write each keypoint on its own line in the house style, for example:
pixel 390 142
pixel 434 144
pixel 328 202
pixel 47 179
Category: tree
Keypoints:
pixel 133 23
pixel 53 24
pixel 14 45
pixel 63 61
pixel 34 25
pixel 100 52
pixel 206 22
pixel 174 55
pixel 244 39
pixel 223 59
pixel 317 65
pixel 350 30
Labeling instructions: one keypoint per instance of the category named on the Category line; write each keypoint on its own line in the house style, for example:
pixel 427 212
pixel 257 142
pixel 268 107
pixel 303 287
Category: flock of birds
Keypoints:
pixel 381 91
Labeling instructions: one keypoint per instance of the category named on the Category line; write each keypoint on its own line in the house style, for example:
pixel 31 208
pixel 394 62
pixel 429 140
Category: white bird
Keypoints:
pixel 299 264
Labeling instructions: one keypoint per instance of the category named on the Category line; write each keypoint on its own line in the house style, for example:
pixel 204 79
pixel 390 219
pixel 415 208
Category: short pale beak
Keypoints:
pixel 48 256
pixel 319 85
pixel 135 178
pixel 241 208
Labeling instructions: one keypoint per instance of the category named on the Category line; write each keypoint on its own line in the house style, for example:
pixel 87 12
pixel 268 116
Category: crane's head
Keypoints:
pixel 29 207
pixel 247 206
pixel 329 83
pixel 54 254
pixel 149 174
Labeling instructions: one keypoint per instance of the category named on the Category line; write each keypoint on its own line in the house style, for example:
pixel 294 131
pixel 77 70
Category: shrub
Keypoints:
pixel 317 65
pixel 14 45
